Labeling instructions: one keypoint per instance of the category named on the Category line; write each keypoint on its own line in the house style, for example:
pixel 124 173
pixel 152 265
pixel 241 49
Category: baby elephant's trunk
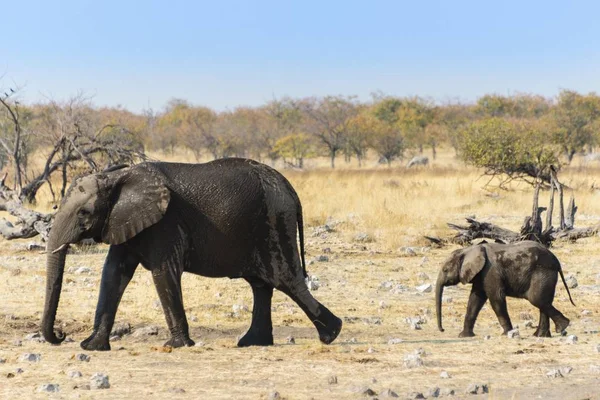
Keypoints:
pixel 439 291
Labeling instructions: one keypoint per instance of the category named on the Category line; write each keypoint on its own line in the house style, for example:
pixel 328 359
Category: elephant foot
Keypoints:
pixel 543 333
pixel 179 341
pixel 466 334
pixel 254 338
pixel 95 343
pixel 562 324
pixel 328 332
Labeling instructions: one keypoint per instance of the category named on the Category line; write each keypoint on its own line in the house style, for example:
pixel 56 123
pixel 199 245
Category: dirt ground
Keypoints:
pixel 373 291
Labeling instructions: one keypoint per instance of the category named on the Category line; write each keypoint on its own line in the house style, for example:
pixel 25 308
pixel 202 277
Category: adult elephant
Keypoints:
pixel 233 218
pixel 525 270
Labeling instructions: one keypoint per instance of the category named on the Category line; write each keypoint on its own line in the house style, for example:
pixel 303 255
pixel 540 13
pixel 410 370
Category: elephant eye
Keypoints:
pixel 83 212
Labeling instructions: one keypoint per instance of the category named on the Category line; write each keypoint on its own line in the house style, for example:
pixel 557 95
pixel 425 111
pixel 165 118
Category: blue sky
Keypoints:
pixel 228 53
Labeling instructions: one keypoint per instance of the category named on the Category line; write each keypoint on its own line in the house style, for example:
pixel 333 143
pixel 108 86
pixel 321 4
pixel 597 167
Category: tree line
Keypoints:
pixel 517 136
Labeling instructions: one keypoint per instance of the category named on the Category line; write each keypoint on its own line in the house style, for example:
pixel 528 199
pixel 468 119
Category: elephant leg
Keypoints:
pixel 560 321
pixel 327 324
pixel 118 270
pixel 543 329
pixel 499 306
pixel 477 299
pixel 167 281
pixel 261 329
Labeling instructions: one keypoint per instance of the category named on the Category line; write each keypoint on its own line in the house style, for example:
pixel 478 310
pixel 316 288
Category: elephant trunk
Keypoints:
pixel 55 266
pixel 439 291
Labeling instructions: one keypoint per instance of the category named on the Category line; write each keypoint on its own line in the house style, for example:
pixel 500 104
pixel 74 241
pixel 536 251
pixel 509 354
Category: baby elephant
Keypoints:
pixel 525 270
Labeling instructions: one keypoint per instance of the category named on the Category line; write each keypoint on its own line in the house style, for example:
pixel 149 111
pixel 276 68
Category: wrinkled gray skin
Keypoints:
pixel 231 218
pixel 525 270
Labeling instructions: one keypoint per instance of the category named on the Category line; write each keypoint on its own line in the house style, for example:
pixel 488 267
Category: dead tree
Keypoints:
pixel 532 228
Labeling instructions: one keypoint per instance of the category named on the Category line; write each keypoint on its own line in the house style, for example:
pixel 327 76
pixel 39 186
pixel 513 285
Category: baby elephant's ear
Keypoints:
pixel 139 201
pixel 473 262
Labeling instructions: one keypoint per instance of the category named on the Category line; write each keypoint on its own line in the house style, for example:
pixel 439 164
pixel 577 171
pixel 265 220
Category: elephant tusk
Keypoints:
pixel 62 247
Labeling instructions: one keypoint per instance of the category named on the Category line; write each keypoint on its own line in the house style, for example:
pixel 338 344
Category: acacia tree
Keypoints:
pixel 572 121
pixel 508 149
pixel 328 119
pixel 294 149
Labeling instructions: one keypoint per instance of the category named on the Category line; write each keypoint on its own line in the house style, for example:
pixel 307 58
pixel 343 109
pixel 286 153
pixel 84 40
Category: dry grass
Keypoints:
pixel 396 207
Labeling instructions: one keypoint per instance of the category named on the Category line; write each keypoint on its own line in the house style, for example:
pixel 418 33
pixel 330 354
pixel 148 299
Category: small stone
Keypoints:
pixel 146 331
pixel 218 295
pixel 176 390
pixel 586 312
pixel 514 334
pixel 445 375
pixel 332 380
pixel 529 324
pixel 35 337
pixel 274 395
pixel 19 370
pixel 85 386
pixel 2 360
pixel 413 361
pixel 363 237
pixel 193 318
pixel 433 392
pixel 571 339
pixel 554 373
pixel 74 374
pixel 388 393
pixel 31 357
pixel 156 304
pixel 99 381
pixel 290 340
pixel 566 370
pixel 425 288
pixel 487 337
pixel 352 340
pixel 121 329
pixel 82 357
pixel 571 281
pixel 595 369
pixel 447 392
pixel 409 251
pixel 448 299
pixel 395 341
pixel 415 395
pixel 10 375
pixel 49 388
pixel 83 270
pixel 368 392
pixel 422 275
pixel 598 348
pixel 473 388
pixel 17 343
pixel 383 305
pixel 323 258
pixel 370 350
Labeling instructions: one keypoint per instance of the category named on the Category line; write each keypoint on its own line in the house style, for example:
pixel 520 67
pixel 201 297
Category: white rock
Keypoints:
pixel 83 270
pixel 99 381
pixel 445 375
pixel 146 331
pixel 571 281
pixel 395 341
pixel 82 357
pixel 425 288
pixel 239 307
pixel 514 334
pixel 74 374
pixel 49 388
pixel 31 357
pixel 595 369
pixel 571 339
pixel 413 361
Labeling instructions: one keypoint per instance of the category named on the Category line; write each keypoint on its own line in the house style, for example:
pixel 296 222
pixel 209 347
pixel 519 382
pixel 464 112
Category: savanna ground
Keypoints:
pixel 370 284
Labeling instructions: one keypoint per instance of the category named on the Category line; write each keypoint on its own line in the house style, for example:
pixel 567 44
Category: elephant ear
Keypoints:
pixel 473 262
pixel 139 201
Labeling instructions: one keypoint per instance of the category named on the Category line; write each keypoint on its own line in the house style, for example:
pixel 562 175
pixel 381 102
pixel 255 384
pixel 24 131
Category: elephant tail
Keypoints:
pixel 565 283
pixel 301 236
